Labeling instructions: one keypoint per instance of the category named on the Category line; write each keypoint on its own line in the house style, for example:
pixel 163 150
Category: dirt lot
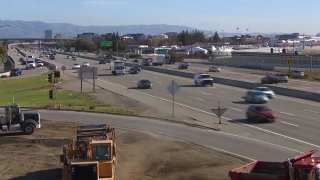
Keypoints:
pixel 140 156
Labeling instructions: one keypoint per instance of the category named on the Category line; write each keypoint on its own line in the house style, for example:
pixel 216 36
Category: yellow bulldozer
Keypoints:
pixel 91 155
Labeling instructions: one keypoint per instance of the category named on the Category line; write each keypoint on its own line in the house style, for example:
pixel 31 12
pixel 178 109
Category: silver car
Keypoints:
pixel 214 69
pixel 257 97
pixel 266 91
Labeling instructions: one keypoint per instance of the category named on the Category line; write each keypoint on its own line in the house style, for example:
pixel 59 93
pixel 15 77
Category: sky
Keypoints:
pixel 266 16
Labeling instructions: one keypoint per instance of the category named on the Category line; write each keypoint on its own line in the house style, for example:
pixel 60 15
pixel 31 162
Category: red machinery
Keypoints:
pixel 301 167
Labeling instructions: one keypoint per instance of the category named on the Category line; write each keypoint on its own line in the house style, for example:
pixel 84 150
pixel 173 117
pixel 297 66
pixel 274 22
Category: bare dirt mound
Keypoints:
pixel 140 156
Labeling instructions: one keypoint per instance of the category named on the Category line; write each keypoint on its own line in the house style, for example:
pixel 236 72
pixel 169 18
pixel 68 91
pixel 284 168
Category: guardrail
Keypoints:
pixel 230 82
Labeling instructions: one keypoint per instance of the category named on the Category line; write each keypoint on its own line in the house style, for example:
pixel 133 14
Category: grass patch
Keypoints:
pixel 34 92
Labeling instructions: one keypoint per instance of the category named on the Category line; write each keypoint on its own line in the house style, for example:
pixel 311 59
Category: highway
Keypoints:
pixel 25 72
pixel 296 129
pixel 247 75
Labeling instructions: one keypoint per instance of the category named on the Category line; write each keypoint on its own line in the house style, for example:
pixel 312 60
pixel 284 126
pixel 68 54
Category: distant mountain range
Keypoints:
pixel 35 29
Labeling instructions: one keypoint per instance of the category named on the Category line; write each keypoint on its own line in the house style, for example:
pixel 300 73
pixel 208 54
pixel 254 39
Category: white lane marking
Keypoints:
pixel 222 92
pixel 312 111
pixel 212 87
pixel 163 99
pixel 298 140
pixel 228 152
pixel 159 82
pixel 290 124
pixel 263 142
pixel 199 99
pixel 288 114
pixel 208 94
pixel 226 118
pixel 288 137
pixel 134 81
pixel 236 109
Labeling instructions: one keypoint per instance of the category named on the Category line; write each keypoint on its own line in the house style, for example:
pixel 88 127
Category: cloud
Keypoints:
pixel 106 2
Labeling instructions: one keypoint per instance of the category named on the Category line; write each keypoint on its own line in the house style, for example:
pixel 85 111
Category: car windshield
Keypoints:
pixel 119 67
pixel 257 93
pixel 263 89
pixel 205 76
pixel 144 81
pixel 30 62
pixel 262 109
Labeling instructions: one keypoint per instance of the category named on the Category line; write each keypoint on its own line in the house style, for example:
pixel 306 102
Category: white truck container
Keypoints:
pixel 30 62
pixel 157 59
pixel 117 67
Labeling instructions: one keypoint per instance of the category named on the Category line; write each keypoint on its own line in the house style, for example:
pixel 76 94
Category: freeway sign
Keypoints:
pixel 61 42
pixel 173 87
pixel 105 43
pixel 219 112
pixel 88 73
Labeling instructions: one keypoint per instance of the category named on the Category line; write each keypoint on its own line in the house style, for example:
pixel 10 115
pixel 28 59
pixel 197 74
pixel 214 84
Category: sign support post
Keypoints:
pixel 173 88
pixel 219 111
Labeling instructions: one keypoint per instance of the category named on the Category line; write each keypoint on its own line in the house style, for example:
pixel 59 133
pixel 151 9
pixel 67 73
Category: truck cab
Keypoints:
pixel 16 120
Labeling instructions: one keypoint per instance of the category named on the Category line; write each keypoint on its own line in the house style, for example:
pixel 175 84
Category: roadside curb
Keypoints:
pixel 142 116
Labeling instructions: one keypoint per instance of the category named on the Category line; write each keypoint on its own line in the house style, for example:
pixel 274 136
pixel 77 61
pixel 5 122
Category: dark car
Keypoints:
pixel 52 57
pixel 144 84
pixel 103 61
pixel 183 66
pixel 16 72
pixel 260 114
pixel 138 67
pixel 133 70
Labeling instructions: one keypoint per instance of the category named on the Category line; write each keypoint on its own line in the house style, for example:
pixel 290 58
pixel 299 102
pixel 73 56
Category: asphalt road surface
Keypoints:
pixel 296 129
pixel 25 72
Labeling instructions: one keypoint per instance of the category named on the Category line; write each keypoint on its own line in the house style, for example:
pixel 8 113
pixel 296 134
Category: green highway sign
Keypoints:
pixel 61 42
pixel 105 43
pixel 161 51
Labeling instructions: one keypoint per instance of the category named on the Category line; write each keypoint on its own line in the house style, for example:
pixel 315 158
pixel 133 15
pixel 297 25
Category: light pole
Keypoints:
pixel 237 36
pixel 222 36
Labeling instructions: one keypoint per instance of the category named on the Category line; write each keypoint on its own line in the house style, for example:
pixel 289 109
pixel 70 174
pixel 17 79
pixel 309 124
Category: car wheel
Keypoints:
pixel 249 118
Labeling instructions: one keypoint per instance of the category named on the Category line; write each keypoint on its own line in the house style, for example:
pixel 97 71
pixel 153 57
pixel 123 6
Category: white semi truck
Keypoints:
pixel 117 67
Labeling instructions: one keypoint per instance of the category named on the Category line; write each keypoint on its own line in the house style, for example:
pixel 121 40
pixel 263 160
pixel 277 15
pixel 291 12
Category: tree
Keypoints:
pixel 3 52
pixel 216 37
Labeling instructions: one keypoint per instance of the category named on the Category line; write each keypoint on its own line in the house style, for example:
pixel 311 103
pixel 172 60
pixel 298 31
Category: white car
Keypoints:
pixel 214 69
pixel 268 92
pixel 85 64
pixel 76 66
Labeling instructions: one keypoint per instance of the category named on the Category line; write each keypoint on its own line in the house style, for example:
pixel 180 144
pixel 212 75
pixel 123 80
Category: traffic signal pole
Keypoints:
pixel 52 78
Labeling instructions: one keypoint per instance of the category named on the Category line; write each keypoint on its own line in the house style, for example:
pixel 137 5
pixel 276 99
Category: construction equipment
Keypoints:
pixel 15 120
pixel 301 167
pixel 91 155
